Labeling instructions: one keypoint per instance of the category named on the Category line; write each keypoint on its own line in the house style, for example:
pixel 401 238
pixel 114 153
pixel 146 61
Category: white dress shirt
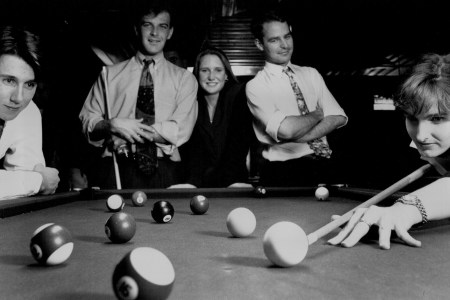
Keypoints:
pixel 271 99
pixel 21 148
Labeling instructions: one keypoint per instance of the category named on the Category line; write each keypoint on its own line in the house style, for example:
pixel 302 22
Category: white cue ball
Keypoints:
pixel 285 244
pixel 322 193
pixel 241 222
pixel 115 203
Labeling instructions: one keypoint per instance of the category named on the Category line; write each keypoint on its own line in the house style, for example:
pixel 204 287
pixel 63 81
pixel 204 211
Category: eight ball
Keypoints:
pixel 162 211
pixel 260 191
pixel 199 204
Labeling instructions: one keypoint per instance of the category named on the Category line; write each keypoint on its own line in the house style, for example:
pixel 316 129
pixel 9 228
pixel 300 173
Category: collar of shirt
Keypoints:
pixel 277 70
pixel 158 59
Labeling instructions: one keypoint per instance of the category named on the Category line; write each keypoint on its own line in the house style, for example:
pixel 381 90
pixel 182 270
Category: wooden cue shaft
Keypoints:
pixel 313 237
pixel 108 116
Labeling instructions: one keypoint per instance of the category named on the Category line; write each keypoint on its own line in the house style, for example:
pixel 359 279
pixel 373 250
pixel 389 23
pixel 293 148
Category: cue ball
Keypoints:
pixel 139 198
pixel 285 244
pixel 115 203
pixel 143 273
pixel 199 204
pixel 322 193
pixel 51 244
pixel 120 227
pixel 260 191
pixel 162 211
pixel 241 222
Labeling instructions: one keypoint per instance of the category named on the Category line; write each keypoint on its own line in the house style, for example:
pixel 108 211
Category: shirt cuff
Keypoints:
pixel 274 124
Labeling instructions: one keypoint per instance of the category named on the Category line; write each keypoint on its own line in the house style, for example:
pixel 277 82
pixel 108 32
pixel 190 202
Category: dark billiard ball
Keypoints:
pixel 51 244
pixel 120 227
pixel 143 273
pixel 139 198
pixel 199 204
pixel 260 191
pixel 115 203
pixel 162 211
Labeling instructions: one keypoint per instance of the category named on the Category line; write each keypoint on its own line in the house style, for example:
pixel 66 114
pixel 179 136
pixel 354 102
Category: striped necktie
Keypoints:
pixel 146 154
pixel 319 147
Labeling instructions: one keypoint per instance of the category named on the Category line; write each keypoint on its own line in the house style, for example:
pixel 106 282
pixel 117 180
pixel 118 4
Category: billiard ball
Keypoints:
pixel 241 222
pixel 143 273
pixel 120 227
pixel 199 204
pixel 115 203
pixel 51 244
pixel 322 193
pixel 260 191
pixel 162 211
pixel 285 244
pixel 139 198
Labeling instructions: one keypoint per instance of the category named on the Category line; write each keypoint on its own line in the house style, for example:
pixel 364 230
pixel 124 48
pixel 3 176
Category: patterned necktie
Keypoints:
pixel 146 154
pixel 319 147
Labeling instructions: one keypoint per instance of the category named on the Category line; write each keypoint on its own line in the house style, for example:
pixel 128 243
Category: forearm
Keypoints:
pixel 101 131
pixel 295 127
pixel 435 198
pixel 321 129
pixel 15 184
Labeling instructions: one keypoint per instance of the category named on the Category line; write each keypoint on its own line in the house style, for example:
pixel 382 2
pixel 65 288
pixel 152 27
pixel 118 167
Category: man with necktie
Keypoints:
pixel 153 109
pixel 293 110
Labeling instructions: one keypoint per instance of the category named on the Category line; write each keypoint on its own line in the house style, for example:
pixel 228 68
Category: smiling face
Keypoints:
pixel 153 32
pixel 212 74
pixel 277 43
pixel 17 86
pixel 430 132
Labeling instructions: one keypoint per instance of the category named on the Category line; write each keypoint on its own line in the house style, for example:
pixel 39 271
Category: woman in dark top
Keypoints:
pixel 215 155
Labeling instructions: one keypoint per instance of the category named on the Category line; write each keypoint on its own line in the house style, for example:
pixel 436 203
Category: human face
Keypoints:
pixel 212 75
pixel 17 86
pixel 430 132
pixel 153 32
pixel 277 43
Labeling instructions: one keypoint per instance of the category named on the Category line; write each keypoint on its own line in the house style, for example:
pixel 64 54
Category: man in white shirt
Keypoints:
pixel 285 131
pixel 23 171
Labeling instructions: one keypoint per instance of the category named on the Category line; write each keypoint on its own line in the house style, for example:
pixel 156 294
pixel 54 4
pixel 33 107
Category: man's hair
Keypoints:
pixel 223 58
pixel 155 7
pixel 427 85
pixel 266 17
pixel 23 44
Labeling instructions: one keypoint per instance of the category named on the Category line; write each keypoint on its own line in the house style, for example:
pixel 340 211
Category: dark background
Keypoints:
pixel 339 38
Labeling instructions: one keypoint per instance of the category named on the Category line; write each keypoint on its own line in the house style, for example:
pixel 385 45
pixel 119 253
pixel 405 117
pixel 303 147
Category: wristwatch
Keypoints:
pixel 414 200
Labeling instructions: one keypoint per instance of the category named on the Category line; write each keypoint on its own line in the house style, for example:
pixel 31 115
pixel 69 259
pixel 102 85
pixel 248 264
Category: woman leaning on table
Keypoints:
pixel 425 101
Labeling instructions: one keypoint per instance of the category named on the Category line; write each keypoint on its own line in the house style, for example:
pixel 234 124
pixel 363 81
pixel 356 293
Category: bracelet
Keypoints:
pixel 414 200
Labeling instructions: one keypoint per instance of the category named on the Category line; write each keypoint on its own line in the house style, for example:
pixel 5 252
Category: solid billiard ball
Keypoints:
pixel 51 244
pixel 241 222
pixel 322 193
pixel 162 211
pixel 115 203
pixel 199 204
pixel 285 244
pixel 120 227
pixel 260 191
pixel 139 198
pixel 143 273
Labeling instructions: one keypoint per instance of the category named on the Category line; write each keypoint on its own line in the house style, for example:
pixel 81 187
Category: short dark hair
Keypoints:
pixel 427 85
pixel 266 17
pixel 23 44
pixel 148 7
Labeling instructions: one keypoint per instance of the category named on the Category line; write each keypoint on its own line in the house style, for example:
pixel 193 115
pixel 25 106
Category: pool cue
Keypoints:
pixel 313 237
pixel 108 116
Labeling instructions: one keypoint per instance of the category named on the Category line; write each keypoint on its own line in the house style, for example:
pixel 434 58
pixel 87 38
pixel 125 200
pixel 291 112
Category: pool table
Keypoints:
pixel 209 263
